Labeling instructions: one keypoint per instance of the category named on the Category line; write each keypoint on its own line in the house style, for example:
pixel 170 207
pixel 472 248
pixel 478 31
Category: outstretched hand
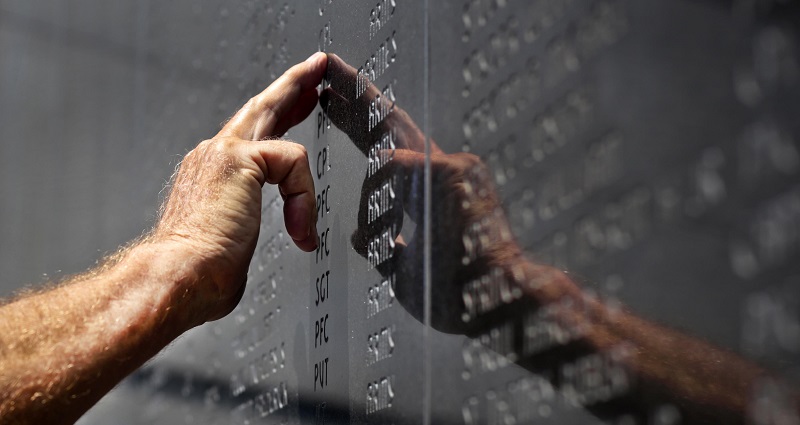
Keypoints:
pixel 214 207
pixel 62 349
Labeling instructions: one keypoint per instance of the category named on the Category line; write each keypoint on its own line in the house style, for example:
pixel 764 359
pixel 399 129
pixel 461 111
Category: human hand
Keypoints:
pixel 213 212
pixel 468 226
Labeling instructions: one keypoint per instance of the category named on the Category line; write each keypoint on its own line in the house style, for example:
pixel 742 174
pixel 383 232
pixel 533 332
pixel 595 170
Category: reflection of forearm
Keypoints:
pixel 704 382
pixel 61 350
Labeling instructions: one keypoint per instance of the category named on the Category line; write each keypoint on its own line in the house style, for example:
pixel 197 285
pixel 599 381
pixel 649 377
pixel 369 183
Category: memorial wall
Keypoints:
pixel 529 211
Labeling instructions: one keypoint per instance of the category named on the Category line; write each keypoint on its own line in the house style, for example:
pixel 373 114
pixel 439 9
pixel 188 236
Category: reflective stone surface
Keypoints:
pixel 531 211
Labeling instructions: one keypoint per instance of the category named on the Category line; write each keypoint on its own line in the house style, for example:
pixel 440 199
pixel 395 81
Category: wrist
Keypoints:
pixel 173 272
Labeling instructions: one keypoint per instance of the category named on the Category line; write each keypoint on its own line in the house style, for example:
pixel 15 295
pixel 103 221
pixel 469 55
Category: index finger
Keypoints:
pixel 346 110
pixel 286 102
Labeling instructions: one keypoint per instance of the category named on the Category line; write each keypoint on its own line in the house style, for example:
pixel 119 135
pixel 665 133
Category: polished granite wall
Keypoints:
pixel 531 211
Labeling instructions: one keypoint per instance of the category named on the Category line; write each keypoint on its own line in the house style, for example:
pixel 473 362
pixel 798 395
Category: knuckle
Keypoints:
pixel 469 159
pixel 298 151
pixel 472 169
pixel 302 150
pixel 218 153
pixel 469 162
pixel 259 105
pixel 225 144
pixel 252 103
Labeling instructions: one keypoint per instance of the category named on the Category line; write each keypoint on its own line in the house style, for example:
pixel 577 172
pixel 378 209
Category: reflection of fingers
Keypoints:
pixel 287 99
pixel 347 84
pixel 348 117
pixel 286 164
pixel 361 240
pixel 412 165
pixel 344 78
pixel 336 106
pixel 348 101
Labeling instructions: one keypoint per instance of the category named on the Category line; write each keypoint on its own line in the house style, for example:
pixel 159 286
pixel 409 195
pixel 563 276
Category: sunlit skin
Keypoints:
pixel 61 350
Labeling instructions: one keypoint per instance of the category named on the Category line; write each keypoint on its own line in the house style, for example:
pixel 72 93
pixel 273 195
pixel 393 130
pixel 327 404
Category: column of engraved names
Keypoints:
pixel 260 384
pixel 380 336
pixel 323 311
pixel 519 52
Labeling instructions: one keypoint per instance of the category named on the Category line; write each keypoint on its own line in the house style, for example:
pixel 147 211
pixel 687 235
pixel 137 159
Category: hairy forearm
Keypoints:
pixel 61 350
pixel 664 367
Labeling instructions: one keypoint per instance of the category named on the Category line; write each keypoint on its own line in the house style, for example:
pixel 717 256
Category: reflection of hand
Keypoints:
pixel 469 236
pixel 482 286
pixel 351 113
pixel 214 209
pixel 468 226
